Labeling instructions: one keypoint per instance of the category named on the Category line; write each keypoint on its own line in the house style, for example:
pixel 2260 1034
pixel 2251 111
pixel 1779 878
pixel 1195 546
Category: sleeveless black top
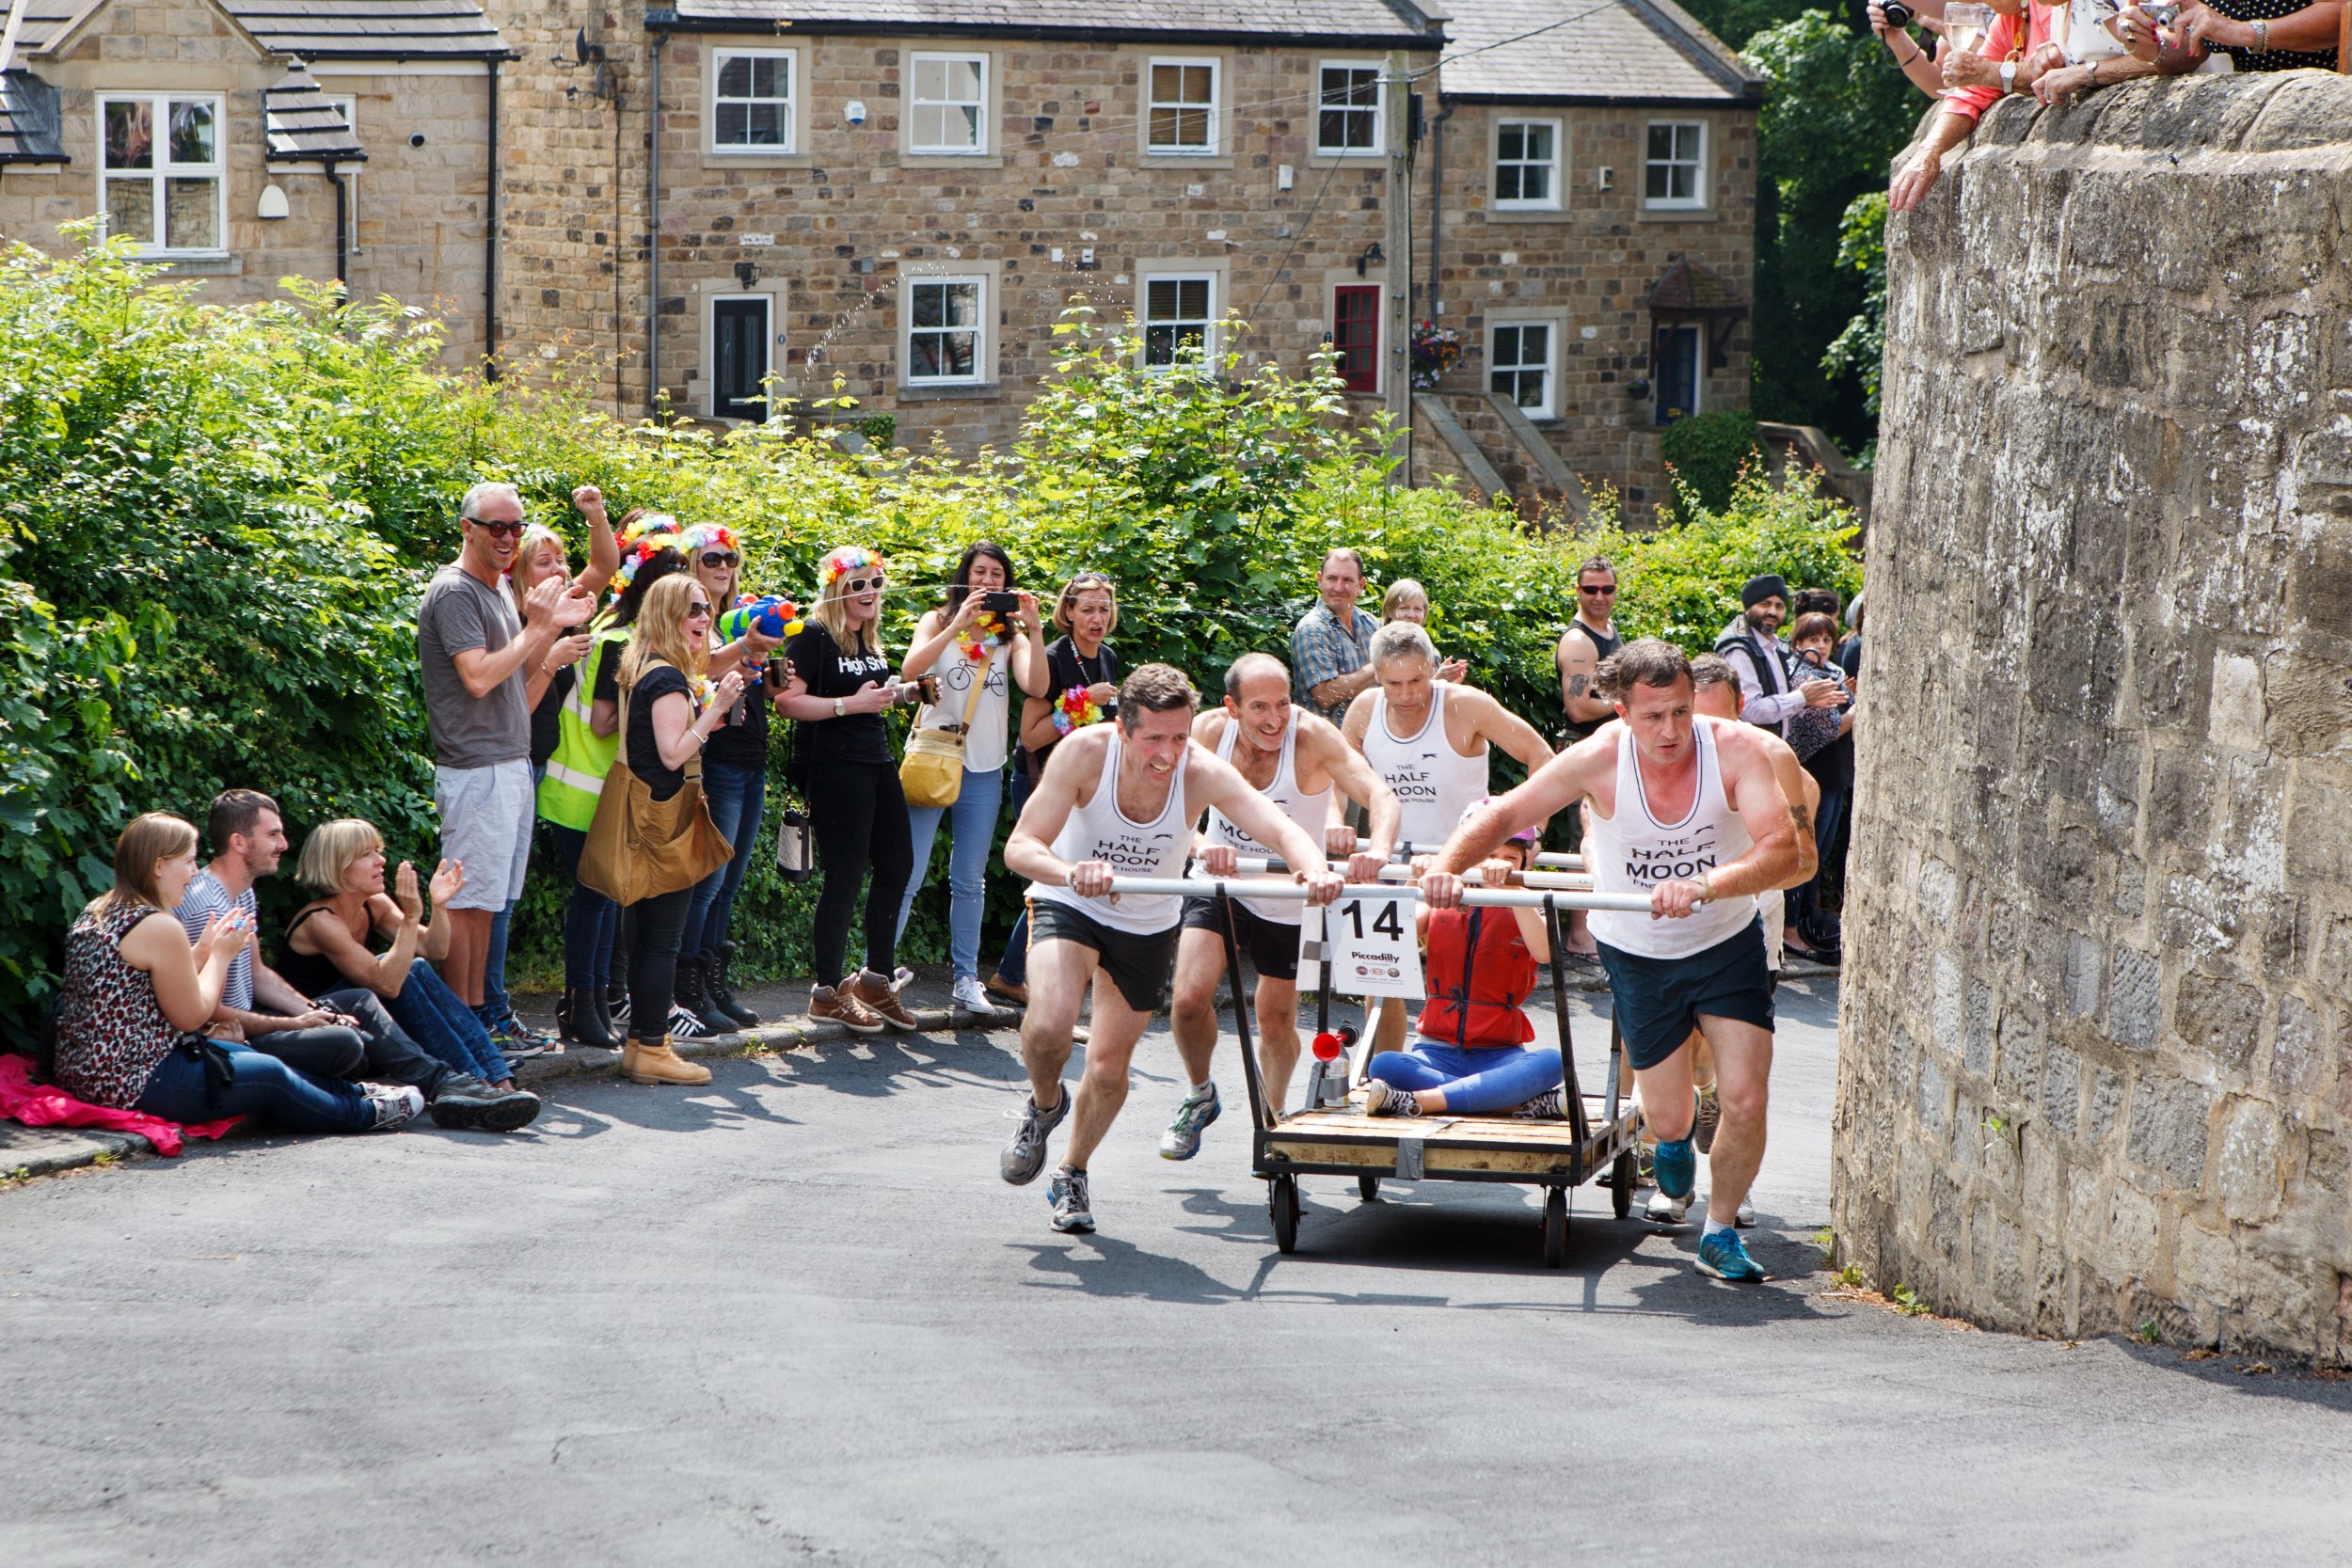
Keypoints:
pixel 1607 643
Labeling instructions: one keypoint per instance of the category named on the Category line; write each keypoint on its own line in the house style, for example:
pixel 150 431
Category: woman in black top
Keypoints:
pixel 857 812
pixel 1080 688
pixel 667 722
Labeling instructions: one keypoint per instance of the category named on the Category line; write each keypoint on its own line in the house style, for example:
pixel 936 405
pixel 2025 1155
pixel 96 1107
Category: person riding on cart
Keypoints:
pixel 1470 1054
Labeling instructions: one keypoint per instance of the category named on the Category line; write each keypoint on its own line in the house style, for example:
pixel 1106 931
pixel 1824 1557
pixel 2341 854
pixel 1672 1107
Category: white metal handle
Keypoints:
pixel 1549 860
pixel 1477 897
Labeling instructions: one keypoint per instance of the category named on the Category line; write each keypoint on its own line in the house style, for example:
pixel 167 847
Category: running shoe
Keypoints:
pixel 1677 1166
pixel 971 998
pixel 1547 1106
pixel 1181 1140
pixel 1709 1118
pixel 510 1031
pixel 1387 1100
pixel 684 1026
pixel 1072 1209
pixel 394 1104
pixel 1026 1155
pixel 1725 1257
pixel 1746 1219
pixel 464 1102
pixel 1666 1211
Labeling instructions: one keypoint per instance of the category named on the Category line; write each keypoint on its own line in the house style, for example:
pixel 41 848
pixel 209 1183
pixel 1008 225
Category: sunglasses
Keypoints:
pixel 507 530
pixel 698 608
pixel 1607 592
pixel 861 585
pixel 716 559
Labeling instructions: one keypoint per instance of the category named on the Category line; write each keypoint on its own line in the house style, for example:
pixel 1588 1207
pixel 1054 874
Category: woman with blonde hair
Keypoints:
pixel 857 810
pixel 671 709
pixel 137 998
pixel 327 945
pixel 1407 600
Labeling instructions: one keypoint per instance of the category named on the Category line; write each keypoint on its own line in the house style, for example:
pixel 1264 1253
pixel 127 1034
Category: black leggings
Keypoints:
pixel 858 815
pixel 653 961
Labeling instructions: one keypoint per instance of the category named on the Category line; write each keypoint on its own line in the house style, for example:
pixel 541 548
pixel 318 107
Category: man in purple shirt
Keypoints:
pixel 1767 694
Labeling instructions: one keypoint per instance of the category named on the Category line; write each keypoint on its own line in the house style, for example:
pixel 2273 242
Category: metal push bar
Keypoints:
pixel 1255 866
pixel 1549 860
pixel 1476 897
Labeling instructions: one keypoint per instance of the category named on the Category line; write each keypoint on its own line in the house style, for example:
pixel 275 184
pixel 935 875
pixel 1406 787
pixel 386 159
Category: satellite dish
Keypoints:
pixel 580 46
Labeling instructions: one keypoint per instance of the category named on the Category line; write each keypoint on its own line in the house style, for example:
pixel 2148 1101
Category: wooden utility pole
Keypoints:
pixel 1396 321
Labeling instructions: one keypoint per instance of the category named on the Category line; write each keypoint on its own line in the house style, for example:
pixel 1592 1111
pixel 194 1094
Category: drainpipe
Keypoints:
pixel 490 246
pixel 653 238
pixel 343 226
pixel 1437 205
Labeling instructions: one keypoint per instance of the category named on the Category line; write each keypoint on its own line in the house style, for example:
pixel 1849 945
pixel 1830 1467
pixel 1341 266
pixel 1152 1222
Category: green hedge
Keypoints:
pixel 214 524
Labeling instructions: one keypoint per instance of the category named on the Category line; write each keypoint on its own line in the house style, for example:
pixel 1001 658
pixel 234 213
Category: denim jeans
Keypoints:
pixel 1475 1081
pixel 738 793
pixel 430 1014
pixel 592 922
pixel 1014 965
pixel 262 1085
pixel 332 1051
pixel 391 1056
pixel 495 1001
pixel 971 825
pixel 1805 915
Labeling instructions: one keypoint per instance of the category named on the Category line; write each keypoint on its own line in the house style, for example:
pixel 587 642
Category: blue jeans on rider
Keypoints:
pixel 1476 1081
pixel 736 794
pixel 972 823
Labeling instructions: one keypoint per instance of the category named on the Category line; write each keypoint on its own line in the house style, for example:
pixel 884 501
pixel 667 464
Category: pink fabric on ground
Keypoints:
pixel 46 1105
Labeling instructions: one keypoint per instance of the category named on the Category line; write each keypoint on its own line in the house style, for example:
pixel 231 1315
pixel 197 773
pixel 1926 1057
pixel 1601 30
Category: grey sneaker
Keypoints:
pixel 1666 1211
pixel 1387 1100
pixel 1745 1217
pixel 1072 1209
pixel 1181 1140
pixel 1026 1155
pixel 1547 1106
pixel 466 1103
pixel 1709 1118
pixel 395 1104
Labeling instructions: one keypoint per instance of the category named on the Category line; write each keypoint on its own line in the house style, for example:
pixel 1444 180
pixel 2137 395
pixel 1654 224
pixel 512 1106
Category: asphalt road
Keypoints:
pixel 796 1318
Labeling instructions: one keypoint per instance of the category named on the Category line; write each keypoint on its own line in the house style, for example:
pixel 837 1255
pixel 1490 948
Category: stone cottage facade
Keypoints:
pixel 220 134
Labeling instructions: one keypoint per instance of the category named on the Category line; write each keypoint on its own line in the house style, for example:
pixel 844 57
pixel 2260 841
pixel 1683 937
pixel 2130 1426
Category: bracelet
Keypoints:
pixel 2262 38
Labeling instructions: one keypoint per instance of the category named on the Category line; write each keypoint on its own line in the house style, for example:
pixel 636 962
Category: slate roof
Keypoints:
pixel 304 124
pixel 1358 23
pixel 322 29
pixel 1632 52
pixel 28 121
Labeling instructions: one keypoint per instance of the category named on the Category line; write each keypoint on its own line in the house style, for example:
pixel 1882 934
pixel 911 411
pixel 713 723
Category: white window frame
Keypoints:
pixel 790 59
pixel 1700 198
pixel 161 170
pixel 1379 111
pixel 1550 408
pixel 982 344
pixel 916 60
pixel 1215 108
pixel 1556 165
pixel 1208 319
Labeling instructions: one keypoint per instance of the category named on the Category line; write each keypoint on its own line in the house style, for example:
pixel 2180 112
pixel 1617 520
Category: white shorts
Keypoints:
pixel 485 823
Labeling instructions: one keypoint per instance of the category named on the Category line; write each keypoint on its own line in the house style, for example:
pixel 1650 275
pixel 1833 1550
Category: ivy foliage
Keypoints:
pixel 216 524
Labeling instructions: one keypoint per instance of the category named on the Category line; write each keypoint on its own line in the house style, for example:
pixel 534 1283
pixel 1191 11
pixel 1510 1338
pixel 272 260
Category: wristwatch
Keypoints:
pixel 2009 77
pixel 840 708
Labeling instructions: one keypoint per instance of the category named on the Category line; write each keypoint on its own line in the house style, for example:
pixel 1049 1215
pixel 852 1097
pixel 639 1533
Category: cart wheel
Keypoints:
pixel 1282 1203
pixel 1368 1188
pixel 1555 1228
pixel 1621 1184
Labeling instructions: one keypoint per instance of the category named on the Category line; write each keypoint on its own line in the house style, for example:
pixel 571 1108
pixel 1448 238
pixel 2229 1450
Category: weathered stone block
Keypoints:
pixel 2134 999
pixel 2218 1017
pixel 2249 1171
pixel 2084 962
pixel 2168 1129
pixel 2061 1088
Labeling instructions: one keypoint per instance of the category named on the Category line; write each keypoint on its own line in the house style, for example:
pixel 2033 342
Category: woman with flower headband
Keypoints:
pixel 1080 688
pixel 857 811
pixel 962 638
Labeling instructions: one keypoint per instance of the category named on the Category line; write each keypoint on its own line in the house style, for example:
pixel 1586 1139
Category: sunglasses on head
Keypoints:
pixel 716 559
pixel 509 530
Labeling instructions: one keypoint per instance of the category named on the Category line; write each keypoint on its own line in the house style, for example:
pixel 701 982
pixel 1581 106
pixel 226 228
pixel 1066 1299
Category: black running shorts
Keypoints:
pixel 1271 945
pixel 1140 967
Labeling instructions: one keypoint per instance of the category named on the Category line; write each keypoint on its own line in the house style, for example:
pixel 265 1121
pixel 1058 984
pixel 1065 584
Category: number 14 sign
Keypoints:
pixel 1370 945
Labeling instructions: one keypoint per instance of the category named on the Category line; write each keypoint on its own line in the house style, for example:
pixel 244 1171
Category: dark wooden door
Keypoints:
pixel 1356 333
pixel 739 331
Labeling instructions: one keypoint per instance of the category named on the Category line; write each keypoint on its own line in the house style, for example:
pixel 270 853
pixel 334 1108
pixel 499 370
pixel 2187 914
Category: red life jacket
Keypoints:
pixel 1479 972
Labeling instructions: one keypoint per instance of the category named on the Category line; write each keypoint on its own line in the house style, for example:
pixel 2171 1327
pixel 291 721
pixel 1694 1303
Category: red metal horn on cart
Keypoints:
pixel 1327 1047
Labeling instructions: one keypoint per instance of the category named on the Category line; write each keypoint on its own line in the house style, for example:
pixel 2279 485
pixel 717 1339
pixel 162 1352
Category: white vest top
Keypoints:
pixel 1633 851
pixel 1309 811
pixel 1099 830
pixel 1434 783
pixel 989 741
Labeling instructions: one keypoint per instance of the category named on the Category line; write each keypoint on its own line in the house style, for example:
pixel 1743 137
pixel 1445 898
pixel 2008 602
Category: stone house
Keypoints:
pixel 904 194
pixel 243 141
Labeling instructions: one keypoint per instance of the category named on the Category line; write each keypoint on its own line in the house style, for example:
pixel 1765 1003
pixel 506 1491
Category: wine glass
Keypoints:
pixel 1964 24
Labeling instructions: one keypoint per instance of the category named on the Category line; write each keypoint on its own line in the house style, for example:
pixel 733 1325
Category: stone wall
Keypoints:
pixel 2094 1067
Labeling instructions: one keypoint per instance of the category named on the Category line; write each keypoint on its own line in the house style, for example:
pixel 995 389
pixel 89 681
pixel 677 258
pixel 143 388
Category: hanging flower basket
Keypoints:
pixel 1435 350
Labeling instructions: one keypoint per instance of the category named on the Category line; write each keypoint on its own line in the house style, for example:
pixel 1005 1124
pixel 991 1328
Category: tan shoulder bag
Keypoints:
pixel 931 772
pixel 640 847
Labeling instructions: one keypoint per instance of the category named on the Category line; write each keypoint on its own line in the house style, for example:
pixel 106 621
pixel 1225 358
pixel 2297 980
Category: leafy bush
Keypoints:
pixel 1707 453
pixel 214 525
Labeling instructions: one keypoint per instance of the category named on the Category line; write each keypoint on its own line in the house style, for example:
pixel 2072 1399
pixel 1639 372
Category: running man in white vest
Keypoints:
pixel 1296 761
pixel 1428 742
pixel 1690 812
pixel 1116 801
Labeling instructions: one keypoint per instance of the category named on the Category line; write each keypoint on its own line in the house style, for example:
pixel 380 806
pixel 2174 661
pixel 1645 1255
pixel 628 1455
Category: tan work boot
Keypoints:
pixel 658 1064
pixel 828 1006
pixel 882 998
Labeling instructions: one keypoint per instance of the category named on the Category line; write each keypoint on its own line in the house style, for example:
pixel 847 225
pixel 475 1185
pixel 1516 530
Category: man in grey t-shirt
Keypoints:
pixel 477 657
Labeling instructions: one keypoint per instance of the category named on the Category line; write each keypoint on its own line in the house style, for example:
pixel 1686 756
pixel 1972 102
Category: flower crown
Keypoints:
pixel 703 536
pixel 650 538
pixel 848 558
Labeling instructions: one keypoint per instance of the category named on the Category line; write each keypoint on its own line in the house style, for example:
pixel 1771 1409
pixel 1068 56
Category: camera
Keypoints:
pixel 1898 14
pixel 1000 603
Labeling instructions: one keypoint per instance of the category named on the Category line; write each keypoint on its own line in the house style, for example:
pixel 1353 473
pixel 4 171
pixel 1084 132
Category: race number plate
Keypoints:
pixel 1370 945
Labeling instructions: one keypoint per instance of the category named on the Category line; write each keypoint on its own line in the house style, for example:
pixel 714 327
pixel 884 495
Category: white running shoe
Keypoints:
pixel 395 1104
pixel 1745 1219
pixel 972 997
pixel 1666 1211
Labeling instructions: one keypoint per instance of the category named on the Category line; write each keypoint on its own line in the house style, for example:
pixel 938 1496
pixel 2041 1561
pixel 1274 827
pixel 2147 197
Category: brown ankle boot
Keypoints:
pixel 641 1063
pixel 828 1006
pixel 881 999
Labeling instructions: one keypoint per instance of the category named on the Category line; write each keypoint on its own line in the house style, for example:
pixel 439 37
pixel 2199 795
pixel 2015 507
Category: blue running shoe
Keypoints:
pixel 1725 1257
pixel 1677 1166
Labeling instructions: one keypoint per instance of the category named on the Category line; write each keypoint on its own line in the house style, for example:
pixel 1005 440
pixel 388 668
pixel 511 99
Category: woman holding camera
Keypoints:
pixel 858 812
pixel 985 639
pixel 1891 21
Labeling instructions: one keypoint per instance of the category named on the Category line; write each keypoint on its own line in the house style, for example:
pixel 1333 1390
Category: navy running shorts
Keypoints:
pixel 1659 1000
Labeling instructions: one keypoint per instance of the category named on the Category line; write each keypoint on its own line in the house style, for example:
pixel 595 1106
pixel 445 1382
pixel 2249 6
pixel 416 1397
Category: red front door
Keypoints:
pixel 1356 333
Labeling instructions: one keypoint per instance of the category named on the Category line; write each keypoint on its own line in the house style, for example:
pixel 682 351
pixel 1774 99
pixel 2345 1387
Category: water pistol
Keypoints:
pixel 769 614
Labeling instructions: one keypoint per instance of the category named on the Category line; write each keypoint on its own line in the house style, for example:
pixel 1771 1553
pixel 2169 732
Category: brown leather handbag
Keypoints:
pixel 640 847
